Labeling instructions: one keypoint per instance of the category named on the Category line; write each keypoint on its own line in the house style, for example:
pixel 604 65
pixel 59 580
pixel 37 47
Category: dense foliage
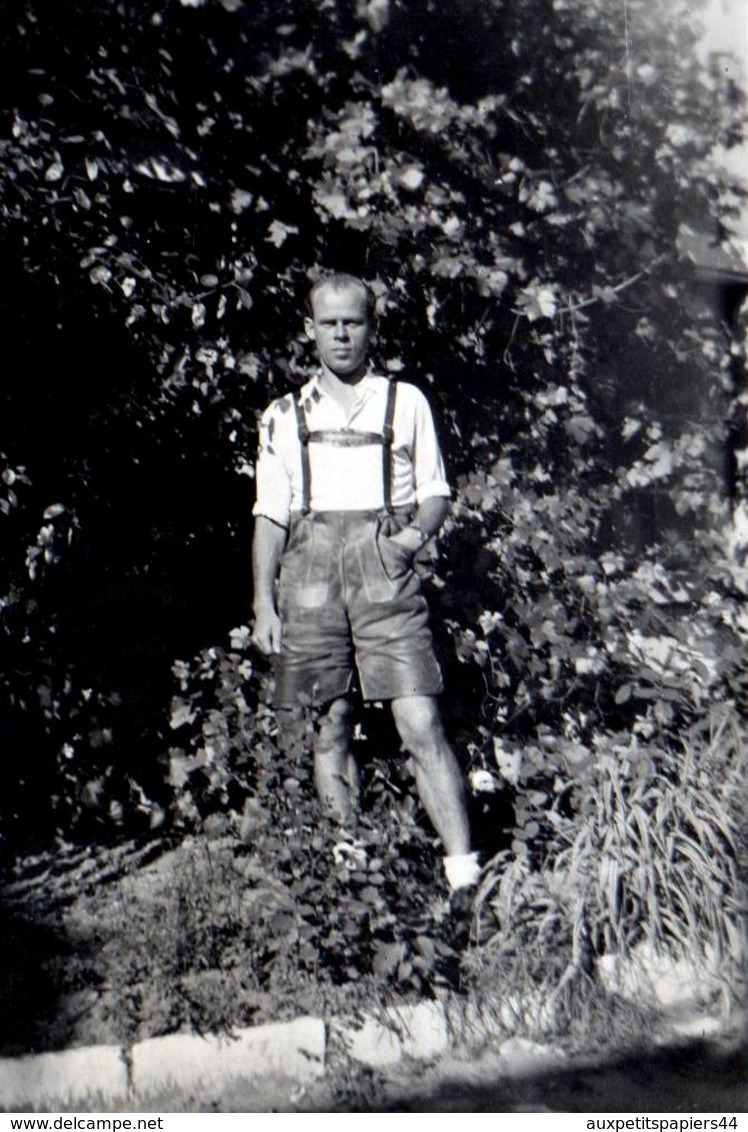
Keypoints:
pixel 512 178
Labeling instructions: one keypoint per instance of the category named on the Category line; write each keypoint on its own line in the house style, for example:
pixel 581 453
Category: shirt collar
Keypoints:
pixel 365 387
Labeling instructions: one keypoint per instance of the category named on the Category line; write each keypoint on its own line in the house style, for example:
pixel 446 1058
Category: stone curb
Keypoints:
pixel 429 1030
pixel 420 1031
pixel 296 1050
pixel 28 1082
pixel 292 1049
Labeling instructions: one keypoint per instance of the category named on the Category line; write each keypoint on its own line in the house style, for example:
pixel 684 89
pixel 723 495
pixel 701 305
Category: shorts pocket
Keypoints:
pixel 377 584
pixel 385 568
pixel 305 570
pixel 397 560
pixel 299 537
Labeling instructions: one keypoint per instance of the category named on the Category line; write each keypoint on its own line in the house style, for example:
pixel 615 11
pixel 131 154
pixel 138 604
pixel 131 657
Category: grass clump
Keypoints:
pixel 638 880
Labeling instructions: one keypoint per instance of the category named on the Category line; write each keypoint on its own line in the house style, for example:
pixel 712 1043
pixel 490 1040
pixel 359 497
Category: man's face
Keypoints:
pixel 340 329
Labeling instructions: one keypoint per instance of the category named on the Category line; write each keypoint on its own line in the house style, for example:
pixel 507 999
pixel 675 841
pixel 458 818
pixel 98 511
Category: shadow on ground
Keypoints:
pixel 30 952
pixel 696 1077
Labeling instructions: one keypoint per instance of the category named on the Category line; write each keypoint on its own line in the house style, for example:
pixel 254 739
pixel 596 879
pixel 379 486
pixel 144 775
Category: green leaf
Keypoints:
pixel 387 957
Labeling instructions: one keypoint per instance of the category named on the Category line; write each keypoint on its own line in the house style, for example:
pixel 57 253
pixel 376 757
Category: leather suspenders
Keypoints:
pixel 347 438
pixel 387 438
pixel 306 471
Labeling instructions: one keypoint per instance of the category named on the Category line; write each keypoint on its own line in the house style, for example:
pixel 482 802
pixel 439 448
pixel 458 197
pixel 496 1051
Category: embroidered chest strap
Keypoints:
pixel 344 437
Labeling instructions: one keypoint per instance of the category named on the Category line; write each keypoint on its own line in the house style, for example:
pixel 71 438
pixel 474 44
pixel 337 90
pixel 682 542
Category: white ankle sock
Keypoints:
pixel 462 870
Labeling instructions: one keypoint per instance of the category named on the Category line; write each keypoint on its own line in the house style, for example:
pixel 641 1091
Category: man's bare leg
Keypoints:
pixel 438 777
pixel 335 769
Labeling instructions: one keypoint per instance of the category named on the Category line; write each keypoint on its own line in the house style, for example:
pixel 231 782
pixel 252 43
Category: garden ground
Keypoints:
pixel 91 946
pixel 697 1077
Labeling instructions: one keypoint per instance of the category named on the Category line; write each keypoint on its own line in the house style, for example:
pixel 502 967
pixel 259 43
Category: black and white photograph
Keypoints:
pixel 373 559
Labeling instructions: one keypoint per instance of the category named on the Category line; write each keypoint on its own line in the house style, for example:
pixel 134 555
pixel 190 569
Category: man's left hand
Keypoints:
pixel 409 538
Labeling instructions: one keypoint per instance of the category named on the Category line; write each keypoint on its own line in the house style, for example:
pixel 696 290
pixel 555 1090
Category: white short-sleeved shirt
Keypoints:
pixel 348 478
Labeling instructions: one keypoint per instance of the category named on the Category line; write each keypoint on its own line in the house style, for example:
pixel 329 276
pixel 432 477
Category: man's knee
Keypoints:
pixel 333 727
pixel 419 724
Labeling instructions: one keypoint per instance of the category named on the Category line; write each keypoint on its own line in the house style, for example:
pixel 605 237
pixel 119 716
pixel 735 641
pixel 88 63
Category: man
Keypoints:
pixel 350 486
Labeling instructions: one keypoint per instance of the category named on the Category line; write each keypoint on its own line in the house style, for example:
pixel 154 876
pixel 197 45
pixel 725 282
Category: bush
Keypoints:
pixel 617 842
pixel 341 919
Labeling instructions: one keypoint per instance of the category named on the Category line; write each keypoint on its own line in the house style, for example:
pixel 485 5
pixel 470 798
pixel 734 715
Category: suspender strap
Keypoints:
pixel 306 472
pixel 387 438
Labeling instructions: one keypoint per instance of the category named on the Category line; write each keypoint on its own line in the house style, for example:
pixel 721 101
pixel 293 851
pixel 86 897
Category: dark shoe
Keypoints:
pixel 458 917
pixel 461 901
pixel 464 922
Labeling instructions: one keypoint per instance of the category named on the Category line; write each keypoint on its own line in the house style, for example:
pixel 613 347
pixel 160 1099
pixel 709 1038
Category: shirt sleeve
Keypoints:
pixel 429 473
pixel 271 474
